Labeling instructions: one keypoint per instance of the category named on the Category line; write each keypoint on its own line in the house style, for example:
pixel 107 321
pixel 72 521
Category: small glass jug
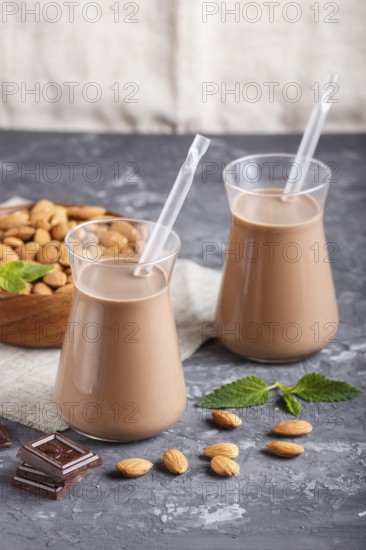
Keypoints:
pixel 277 301
pixel 120 376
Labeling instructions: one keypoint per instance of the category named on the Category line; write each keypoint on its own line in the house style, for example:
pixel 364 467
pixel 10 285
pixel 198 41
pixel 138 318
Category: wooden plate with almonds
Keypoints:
pixel 34 311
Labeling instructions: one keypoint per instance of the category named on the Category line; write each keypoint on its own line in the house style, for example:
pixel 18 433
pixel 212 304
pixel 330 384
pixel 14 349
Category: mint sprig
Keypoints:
pixel 14 275
pixel 252 390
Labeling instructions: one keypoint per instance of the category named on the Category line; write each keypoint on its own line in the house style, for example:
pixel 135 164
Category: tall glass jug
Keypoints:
pixel 277 301
pixel 120 376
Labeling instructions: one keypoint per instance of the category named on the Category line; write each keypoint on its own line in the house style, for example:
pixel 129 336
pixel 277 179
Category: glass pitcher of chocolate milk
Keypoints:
pixel 277 301
pixel 120 376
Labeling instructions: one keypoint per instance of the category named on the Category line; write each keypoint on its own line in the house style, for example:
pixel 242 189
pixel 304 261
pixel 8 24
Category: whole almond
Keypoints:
pixel 8 221
pixel 49 253
pixel 41 288
pixel 59 215
pixel 88 212
pixel 7 253
pixel 42 237
pixel 66 288
pixel 224 466
pixel 23 232
pixel 230 450
pixel 59 231
pixel 134 467
pixel 70 279
pixel 28 251
pixel 42 224
pixel 293 428
pixel 28 288
pixel 175 461
pixel 14 242
pixel 285 449
pixel 126 229
pixel 64 256
pixel 113 238
pixel 226 419
pixel 55 279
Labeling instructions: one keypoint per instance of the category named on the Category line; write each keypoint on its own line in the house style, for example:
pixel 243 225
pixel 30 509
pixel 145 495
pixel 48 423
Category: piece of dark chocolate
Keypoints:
pixel 26 471
pixel 58 456
pixel 54 492
pixel 5 442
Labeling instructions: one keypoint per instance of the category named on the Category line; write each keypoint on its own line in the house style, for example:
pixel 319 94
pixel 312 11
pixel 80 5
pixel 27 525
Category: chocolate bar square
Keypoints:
pixel 54 492
pixel 26 471
pixel 5 442
pixel 58 456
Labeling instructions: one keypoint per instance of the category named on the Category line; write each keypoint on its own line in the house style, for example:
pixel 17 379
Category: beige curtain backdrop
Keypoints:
pixel 169 65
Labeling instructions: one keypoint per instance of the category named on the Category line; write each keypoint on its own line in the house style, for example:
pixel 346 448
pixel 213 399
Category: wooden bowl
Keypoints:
pixel 32 320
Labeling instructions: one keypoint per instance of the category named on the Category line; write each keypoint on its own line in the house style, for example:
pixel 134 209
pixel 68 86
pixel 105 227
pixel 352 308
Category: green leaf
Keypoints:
pixel 291 404
pixel 12 283
pixel 11 267
pixel 31 272
pixel 245 392
pixel 317 388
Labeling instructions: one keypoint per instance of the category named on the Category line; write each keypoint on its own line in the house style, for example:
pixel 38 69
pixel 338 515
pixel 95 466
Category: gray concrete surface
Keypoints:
pixel 316 501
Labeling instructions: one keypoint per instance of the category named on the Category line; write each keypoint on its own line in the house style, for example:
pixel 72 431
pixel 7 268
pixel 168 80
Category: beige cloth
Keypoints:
pixel 28 375
pixel 164 53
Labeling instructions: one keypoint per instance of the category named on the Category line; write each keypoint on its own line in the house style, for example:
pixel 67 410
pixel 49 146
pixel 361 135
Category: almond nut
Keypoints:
pixel 42 237
pixel 113 239
pixel 55 279
pixel 230 450
pixel 285 449
pixel 293 428
pixel 49 253
pixel 8 221
pixel 134 467
pixel 175 461
pixel 126 229
pixel 23 232
pixel 224 466
pixel 14 242
pixel 88 212
pixel 27 290
pixel 28 251
pixel 59 215
pixel 59 231
pixel 7 254
pixel 66 288
pixel 226 419
pixel 41 288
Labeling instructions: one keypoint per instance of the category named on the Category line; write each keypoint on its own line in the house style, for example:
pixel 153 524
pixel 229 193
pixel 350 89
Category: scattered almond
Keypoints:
pixel 175 461
pixel 88 212
pixel 28 251
pixel 134 467
pixel 293 428
pixel 112 238
pixel 224 466
pixel 229 450
pixel 55 279
pixel 49 253
pixel 285 449
pixel 226 419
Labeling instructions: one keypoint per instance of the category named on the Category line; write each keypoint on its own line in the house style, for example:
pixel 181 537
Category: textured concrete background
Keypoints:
pixel 315 501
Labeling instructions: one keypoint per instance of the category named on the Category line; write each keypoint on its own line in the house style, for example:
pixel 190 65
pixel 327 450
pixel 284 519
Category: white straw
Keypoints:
pixel 309 140
pixel 174 202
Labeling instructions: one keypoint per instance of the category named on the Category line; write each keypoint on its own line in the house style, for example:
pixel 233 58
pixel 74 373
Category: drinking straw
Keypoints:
pixel 309 141
pixel 174 203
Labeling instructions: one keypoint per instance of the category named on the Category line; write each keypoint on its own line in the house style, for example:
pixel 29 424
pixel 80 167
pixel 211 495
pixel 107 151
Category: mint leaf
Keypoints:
pixel 317 388
pixel 11 267
pixel 245 392
pixel 31 272
pixel 291 404
pixel 11 283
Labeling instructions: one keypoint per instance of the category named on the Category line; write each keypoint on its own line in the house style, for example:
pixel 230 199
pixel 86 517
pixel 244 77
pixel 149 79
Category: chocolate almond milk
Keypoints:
pixel 120 376
pixel 277 299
